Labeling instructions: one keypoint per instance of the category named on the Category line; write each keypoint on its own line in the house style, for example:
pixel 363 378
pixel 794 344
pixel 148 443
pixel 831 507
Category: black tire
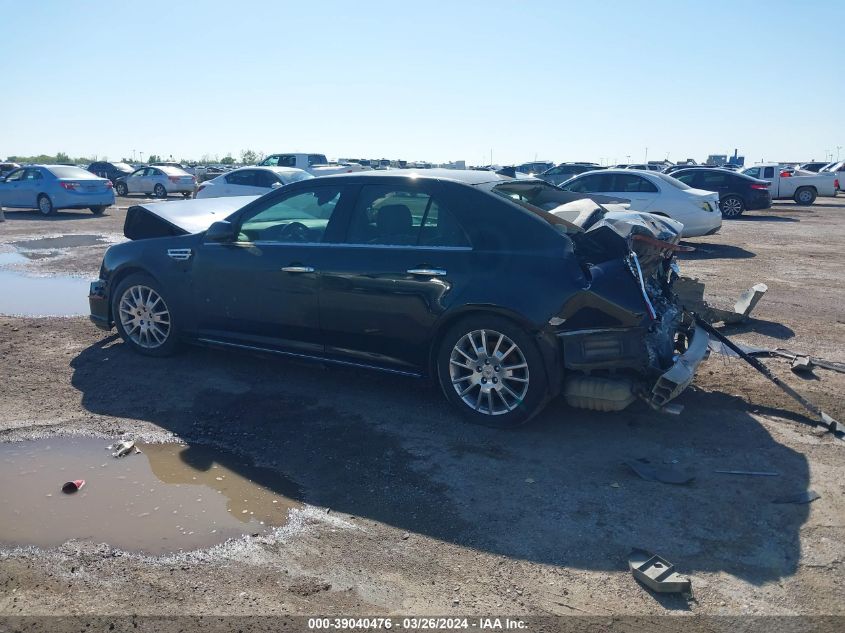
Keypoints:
pixel 45 205
pixel 139 282
pixel 121 189
pixel 805 196
pixel 532 378
pixel 160 191
pixel 98 210
pixel 187 195
pixel 731 206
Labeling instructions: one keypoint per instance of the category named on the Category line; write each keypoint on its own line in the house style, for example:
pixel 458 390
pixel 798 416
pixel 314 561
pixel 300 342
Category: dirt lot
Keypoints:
pixel 411 511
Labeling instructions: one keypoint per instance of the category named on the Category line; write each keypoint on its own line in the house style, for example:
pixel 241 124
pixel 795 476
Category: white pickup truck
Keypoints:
pixel 801 186
pixel 314 164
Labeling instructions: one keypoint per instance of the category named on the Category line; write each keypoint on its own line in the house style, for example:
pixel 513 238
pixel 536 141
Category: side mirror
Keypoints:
pixel 276 185
pixel 222 231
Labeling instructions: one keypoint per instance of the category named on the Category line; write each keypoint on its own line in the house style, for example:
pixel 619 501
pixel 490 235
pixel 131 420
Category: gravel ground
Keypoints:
pixel 411 511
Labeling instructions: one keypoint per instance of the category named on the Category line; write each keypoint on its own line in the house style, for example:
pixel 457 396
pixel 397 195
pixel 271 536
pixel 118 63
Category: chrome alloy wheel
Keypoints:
pixel 144 317
pixel 489 372
pixel 731 207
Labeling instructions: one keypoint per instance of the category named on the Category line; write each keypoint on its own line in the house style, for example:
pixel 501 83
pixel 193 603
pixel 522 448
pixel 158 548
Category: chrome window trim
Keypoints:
pixel 343 245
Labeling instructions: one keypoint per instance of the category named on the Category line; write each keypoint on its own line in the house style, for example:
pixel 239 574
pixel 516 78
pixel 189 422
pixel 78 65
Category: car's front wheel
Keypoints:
pixel 121 189
pixel 160 191
pixel 731 206
pixel 143 316
pixel 492 371
pixel 98 210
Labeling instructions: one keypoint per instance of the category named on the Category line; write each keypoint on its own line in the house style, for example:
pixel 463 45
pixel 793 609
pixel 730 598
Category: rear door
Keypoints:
pixel 640 191
pixel 386 282
pixel 714 180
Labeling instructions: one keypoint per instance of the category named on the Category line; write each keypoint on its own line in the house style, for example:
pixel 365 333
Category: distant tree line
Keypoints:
pixel 248 157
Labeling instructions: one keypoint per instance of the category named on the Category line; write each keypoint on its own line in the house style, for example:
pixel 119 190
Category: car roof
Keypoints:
pixel 465 176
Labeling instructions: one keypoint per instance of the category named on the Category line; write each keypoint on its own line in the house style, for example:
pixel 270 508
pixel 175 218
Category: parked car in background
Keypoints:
pixel 316 164
pixel 250 181
pixel 656 193
pixel 112 171
pixel 673 168
pixel 839 170
pixel 49 188
pixel 645 166
pixel 158 181
pixel 814 166
pixel 788 184
pixel 737 192
pixel 210 173
pixel 534 168
pixel 563 172
pixel 380 270
pixel 7 168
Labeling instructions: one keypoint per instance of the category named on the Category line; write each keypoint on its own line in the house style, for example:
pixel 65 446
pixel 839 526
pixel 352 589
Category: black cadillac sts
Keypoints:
pixel 506 291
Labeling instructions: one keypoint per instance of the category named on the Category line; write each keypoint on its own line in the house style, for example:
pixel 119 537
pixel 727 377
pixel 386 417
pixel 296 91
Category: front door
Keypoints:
pixel 385 284
pixel 11 190
pixel 135 180
pixel 262 288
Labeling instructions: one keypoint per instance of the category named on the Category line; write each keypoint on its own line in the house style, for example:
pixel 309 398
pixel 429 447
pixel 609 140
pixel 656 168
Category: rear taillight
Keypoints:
pixel 785 174
pixel 70 186
pixel 836 183
pixel 173 179
pixel 759 185
pixel 108 184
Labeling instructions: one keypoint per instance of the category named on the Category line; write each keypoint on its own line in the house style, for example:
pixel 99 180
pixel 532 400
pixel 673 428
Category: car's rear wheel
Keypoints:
pixel 187 194
pixel 731 206
pixel 121 189
pixel 143 316
pixel 97 210
pixel 492 371
pixel 45 205
pixel 805 196
pixel 160 191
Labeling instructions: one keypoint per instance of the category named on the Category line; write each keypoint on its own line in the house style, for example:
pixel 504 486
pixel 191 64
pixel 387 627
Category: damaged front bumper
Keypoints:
pixel 678 377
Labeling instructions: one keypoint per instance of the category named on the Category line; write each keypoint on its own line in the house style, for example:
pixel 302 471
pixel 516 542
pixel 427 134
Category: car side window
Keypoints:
pixel 685 178
pixel 32 174
pixel 16 175
pixel 631 183
pixel 769 172
pixel 754 172
pixel 712 179
pixel 299 218
pixel 152 171
pixel 286 161
pixel 594 183
pixel 245 178
pixel 265 179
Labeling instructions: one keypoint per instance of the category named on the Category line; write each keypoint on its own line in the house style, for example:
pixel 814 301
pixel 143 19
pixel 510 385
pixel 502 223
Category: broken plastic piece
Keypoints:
pixel 749 299
pixel 806 496
pixel 657 573
pixel 123 448
pixel 663 474
pixel 72 486
pixel 691 293
pixel 802 365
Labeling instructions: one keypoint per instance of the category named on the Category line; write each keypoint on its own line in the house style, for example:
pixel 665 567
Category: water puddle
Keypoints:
pixel 168 498
pixel 62 241
pixel 22 295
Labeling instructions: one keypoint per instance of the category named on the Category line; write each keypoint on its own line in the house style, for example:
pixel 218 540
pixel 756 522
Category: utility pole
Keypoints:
pixel 142 156
pixel 628 158
pixel 838 147
pixel 133 155
pixel 646 156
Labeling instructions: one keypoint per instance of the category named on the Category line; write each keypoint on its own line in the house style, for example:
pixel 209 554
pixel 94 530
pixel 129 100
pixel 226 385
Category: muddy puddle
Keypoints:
pixel 61 241
pixel 23 295
pixel 168 498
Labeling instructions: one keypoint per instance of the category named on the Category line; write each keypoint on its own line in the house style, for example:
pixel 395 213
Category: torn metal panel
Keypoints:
pixel 681 374
pixel 823 418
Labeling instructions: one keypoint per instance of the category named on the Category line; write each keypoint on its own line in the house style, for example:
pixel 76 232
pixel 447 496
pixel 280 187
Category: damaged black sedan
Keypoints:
pixel 508 292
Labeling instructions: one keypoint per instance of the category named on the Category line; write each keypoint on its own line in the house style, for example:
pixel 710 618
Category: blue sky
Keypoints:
pixel 425 80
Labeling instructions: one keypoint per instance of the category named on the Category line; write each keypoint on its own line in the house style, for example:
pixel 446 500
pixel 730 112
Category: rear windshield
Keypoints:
pixel 123 166
pixel 70 172
pixel 173 171
pixel 295 176
pixel 672 181
pixel 539 198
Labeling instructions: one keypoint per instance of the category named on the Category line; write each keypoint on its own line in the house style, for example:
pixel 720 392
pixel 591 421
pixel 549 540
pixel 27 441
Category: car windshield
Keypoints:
pixel 672 181
pixel 69 172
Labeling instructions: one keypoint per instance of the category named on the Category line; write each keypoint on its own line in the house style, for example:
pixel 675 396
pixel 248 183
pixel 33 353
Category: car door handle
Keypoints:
pixel 297 269
pixel 427 272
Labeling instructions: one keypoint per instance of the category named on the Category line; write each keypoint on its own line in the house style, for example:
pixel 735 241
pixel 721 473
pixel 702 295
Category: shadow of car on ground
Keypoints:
pixel 555 492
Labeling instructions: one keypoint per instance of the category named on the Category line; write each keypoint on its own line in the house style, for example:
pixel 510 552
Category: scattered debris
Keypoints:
pixel 752 473
pixel 691 294
pixel 406 536
pixel 778 352
pixel 806 496
pixel 124 447
pixel 823 418
pixel 72 486
pixel 802 365
pixel 657 573
pixel 664 474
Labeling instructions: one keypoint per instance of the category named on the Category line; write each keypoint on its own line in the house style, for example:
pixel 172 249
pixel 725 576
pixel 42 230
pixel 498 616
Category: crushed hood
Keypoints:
pixel 163 219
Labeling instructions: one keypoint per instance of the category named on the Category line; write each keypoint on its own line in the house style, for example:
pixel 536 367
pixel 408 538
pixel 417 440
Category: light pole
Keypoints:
pixel 646 156
pixel 133 155
pixel 628 158
pixel 838 147
pixel 142 156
